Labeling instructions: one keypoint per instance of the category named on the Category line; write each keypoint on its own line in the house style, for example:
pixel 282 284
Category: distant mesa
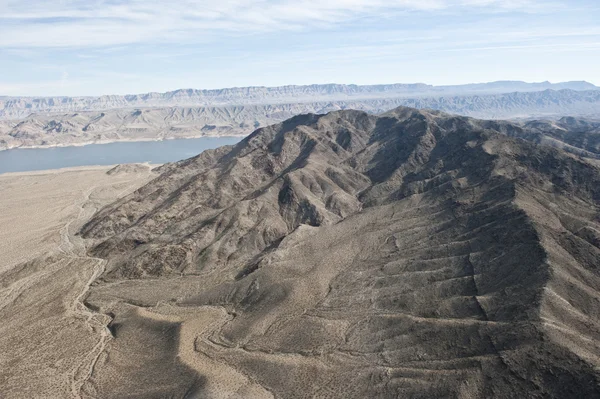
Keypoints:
pixel 239 111
pixel 18 107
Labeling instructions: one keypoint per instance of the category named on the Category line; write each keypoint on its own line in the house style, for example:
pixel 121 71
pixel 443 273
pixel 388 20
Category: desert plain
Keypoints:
pixel 44 274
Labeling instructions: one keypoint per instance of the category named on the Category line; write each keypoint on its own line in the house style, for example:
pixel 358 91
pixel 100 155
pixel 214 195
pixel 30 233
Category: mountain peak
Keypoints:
pixel 354 248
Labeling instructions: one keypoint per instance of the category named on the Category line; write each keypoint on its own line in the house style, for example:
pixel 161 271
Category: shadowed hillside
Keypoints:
pixel 412 254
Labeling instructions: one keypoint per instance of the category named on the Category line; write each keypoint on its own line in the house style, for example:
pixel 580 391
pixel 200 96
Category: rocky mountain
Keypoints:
pixel 19 107
pixel 411 254
pixel 575 135
pixel 176 122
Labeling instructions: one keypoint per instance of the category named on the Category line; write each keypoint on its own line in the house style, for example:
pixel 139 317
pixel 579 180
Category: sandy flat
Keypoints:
pixel 45 275
pixel 36 206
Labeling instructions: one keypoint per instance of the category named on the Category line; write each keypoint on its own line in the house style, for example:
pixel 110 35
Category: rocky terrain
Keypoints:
pixel 348 255
pixel 410 254
pixel 80 126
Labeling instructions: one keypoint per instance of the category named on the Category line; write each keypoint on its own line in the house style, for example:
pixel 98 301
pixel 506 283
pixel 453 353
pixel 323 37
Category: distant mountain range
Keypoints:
pixel 60 121
pixel 19 107
pixel 80 127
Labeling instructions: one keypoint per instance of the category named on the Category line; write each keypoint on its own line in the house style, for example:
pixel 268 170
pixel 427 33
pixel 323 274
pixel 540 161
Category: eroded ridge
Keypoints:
pixel 412 254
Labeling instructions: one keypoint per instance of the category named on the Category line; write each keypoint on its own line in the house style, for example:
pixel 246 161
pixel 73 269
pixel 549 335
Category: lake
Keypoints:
pixel 29 159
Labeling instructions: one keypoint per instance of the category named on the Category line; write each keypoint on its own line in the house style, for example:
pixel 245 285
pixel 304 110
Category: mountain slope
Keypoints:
pixel 413 254
pixel 160 123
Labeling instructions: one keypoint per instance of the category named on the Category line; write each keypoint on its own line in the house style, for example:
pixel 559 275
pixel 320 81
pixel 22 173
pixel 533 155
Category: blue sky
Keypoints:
pixel 91 47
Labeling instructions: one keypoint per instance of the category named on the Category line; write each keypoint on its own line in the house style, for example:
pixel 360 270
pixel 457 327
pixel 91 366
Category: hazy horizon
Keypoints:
pixel 298 85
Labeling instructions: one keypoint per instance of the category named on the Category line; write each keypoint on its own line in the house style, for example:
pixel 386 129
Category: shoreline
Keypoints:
pixel 70 169
pixel 125 140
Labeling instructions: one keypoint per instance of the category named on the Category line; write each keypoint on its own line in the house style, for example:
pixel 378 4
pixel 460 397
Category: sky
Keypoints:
pixel 94 47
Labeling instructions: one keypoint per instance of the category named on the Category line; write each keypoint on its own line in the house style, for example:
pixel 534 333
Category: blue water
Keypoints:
pixel 23 160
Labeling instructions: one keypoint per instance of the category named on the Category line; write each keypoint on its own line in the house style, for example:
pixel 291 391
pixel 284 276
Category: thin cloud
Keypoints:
pixel 99 23
pixel 131 46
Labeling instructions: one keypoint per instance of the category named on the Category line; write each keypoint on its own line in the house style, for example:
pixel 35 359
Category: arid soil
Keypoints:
pixel 49 340
pixel 412 254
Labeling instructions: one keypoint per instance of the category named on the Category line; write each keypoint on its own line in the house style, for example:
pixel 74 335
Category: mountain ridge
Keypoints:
pixel 414 253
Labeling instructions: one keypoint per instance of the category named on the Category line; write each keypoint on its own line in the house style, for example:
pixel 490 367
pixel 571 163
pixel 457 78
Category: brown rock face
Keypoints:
pixel 412 254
